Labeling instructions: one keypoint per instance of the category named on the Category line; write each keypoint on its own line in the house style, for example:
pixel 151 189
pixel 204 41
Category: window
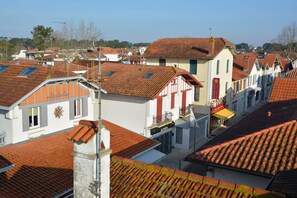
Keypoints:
pixel 148 75
pixel 27 71
pixel 34 117
pixel 77 108
pixel 226 87
pixel 179 135
pixel 3 68
pixel 110 73
pixel 196 93
pixel 2 139
pixel 193 66
pixel 227 67
pixel 162 62
pixel 218 67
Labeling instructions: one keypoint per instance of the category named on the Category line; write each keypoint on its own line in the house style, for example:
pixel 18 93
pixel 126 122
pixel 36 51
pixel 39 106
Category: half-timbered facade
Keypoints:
pixel 147 99
pixel 39 100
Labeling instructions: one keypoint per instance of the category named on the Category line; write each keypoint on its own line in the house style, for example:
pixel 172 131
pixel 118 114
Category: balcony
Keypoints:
pixel 184 112
pixel 162 119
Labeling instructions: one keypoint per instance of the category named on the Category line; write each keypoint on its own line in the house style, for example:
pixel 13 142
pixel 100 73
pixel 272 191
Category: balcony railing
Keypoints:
pixel 162 119
pixel 183 112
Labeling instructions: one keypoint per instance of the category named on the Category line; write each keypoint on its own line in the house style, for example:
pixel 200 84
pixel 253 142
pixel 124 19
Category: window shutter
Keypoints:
pixel 43 116
pixel 172 100
pixel 71 109
pixel 25 115
pixel 84 107
pixel 215 88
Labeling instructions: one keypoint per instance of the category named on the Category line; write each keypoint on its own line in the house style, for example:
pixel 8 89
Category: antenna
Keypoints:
pixel 210 33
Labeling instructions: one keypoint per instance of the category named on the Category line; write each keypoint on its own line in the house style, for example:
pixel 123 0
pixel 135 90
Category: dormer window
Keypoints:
pixel 148 75
pixel 110 73
pixel 28 71
pixel 3 68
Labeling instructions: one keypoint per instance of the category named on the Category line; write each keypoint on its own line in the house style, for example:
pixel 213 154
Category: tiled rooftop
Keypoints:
pixel 129 80
pixel 60 65
pixel 190 48
pixel 285 182
pixel 124 142
pixel 132 178
pixel 283 89
pixel 246 61
pixel 24 61
pixel 263 152
pixel 14 86
pixel 238 74
pixel 292 73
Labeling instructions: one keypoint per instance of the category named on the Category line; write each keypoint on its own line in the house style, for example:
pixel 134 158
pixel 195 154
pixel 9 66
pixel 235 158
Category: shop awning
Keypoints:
pixel 224 114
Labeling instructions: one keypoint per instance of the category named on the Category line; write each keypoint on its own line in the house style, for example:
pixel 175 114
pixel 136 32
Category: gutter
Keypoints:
pixel 232 169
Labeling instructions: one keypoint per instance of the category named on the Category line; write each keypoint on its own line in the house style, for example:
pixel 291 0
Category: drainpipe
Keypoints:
pixel 98 134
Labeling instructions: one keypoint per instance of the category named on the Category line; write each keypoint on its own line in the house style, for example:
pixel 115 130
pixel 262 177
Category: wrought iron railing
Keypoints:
pixel 183 112
pixel 162 119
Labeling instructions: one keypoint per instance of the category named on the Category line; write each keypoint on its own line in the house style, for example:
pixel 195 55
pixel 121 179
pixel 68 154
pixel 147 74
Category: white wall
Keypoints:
pixel 127 112
pixel 5 126
pixel 239 178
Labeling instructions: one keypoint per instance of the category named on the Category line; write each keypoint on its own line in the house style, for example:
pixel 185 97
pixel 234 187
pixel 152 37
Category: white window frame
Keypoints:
pixel 38 117
pixel 75 108
pixel 2 139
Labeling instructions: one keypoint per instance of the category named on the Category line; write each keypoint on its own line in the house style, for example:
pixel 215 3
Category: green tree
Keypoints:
pixel 6 50
pixel 42 36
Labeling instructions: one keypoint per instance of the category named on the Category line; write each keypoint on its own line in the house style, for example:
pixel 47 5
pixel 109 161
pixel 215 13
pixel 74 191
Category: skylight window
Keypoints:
pixel 110 73
pixel 27 71
pixel 148 75
pixel 3 68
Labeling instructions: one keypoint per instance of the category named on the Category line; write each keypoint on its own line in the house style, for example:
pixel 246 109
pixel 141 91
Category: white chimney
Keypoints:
pixel 84 170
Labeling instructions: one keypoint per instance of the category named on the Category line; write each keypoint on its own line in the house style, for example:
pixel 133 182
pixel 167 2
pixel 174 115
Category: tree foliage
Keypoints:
pixel 288 37
pixel 6 50
pixel 42 36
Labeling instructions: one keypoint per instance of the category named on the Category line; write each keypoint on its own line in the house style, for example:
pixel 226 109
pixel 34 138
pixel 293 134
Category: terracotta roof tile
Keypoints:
pixel 238 74
pixel 263 152
pixel 124 142
pixel 193 48
pixel 24 61
pixel 292 73
pixel 62 66
pixel 283 89
pixel 246 61
pixel 14 86
pixel 129 80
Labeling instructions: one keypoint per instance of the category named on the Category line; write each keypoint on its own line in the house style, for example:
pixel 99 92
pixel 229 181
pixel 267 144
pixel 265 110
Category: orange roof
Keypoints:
pixel 60 65
pixel 44 168
pixel 109 50
pixel 124 142
pixel 190 48
pixel 283 89
pixel 136 179
pixel 246 61
pixel 128 80
pixel 238 74
pixel 24 61
pixel 14 86
pixel 264 152
pixel 292 73
pixel 270 59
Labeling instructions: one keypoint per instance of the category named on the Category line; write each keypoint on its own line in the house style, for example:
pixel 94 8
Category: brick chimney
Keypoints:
pixel 84 153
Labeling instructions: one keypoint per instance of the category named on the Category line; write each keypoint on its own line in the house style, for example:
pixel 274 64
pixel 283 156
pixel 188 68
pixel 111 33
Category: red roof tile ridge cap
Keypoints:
pixel 89 123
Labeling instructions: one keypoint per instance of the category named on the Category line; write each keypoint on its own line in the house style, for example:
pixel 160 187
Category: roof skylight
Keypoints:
pixel 3 68
pixel 148 75
pixel 28 71
pixel 110 73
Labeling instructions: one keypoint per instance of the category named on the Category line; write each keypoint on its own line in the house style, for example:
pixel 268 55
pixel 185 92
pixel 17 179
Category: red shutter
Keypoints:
pixel 172 100
pixel 159 109
pixel 215 88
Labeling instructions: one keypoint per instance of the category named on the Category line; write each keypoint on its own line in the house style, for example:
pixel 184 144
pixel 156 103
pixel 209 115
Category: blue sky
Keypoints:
pixel 252 21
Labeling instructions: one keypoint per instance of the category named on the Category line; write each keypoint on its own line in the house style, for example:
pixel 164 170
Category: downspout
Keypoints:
pixel 98 134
